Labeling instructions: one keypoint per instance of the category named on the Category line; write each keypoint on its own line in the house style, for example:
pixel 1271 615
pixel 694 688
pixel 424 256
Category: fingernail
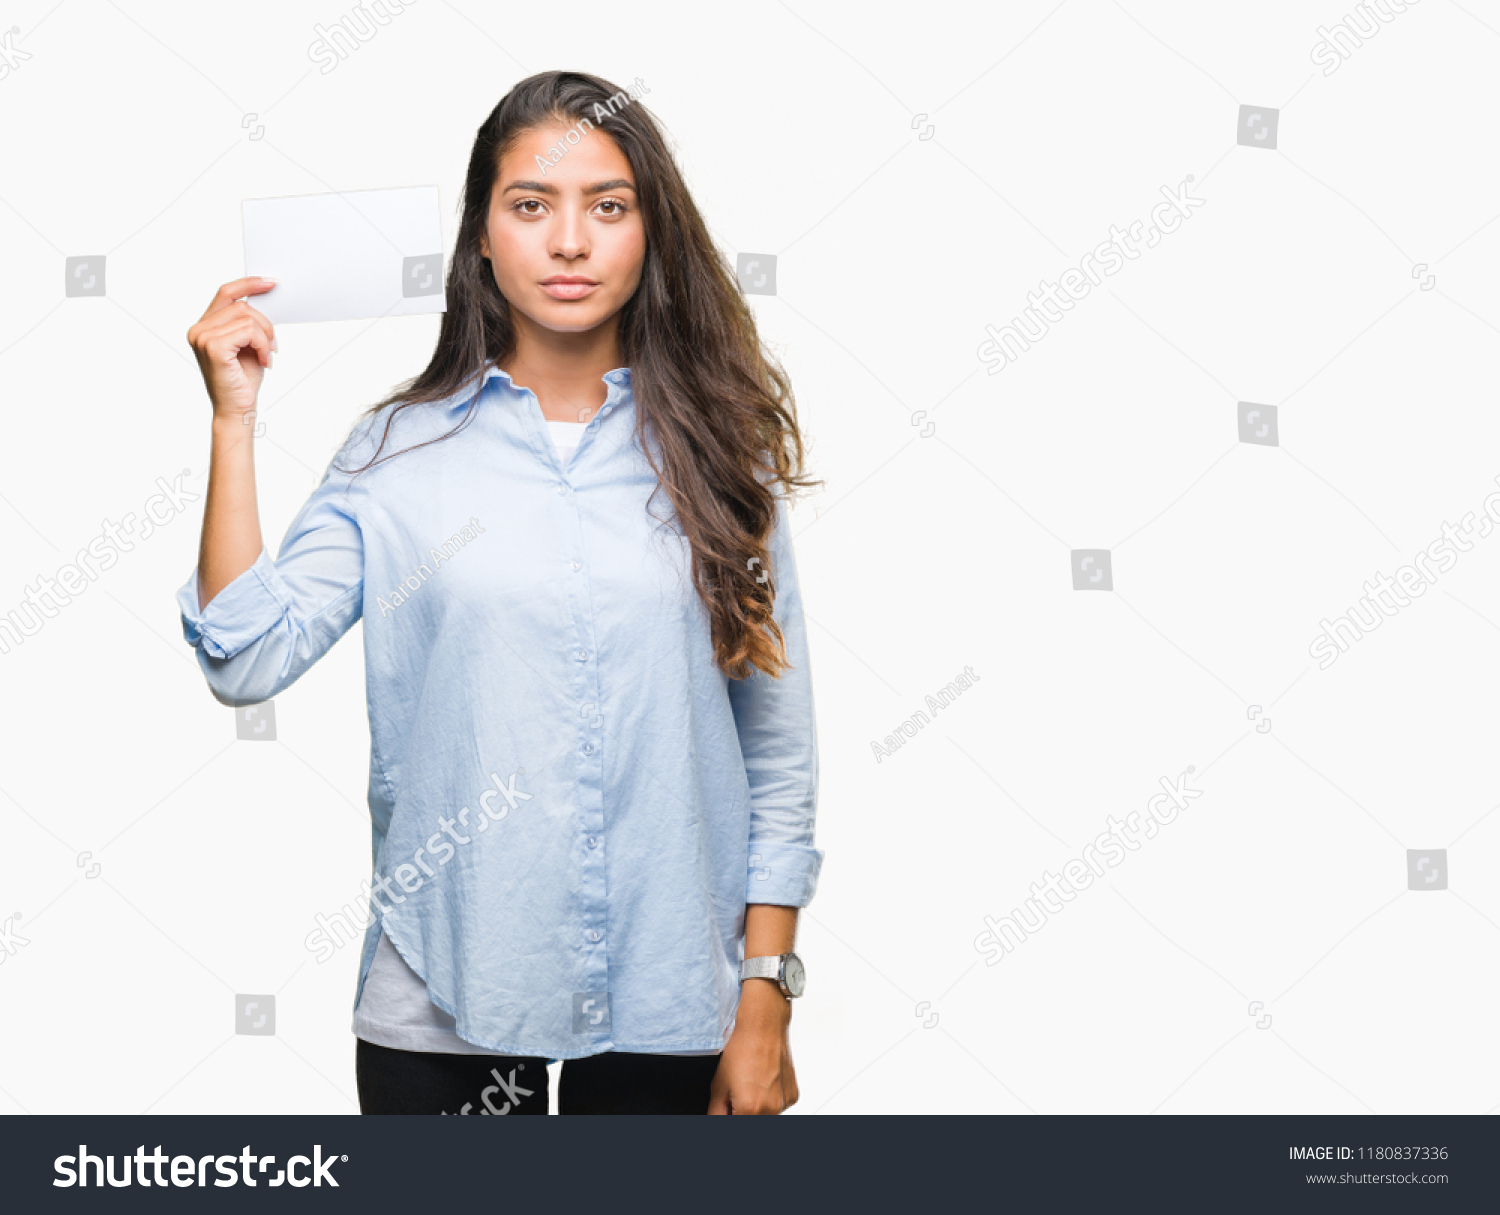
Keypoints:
pixel 264 279
pixel 273 344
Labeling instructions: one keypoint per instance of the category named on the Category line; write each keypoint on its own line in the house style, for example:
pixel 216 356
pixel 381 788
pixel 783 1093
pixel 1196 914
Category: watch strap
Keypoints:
pixel 768 967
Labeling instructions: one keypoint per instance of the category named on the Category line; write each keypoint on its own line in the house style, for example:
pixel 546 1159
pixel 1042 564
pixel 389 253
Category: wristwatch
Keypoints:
pixel 785 968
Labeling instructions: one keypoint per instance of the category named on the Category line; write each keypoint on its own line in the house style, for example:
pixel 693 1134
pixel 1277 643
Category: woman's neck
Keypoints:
pixel 565 370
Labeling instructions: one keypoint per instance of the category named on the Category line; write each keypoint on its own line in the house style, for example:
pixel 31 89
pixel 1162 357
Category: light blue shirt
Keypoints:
pixel 571 805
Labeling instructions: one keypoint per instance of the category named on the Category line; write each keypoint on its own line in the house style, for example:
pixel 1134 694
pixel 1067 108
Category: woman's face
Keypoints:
pixel 581 220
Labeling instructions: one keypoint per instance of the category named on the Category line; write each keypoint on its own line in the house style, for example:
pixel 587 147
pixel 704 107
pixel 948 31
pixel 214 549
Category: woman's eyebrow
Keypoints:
pixel 542 187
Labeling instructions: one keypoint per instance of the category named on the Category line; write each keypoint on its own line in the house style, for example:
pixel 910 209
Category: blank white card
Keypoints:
pixel 337 257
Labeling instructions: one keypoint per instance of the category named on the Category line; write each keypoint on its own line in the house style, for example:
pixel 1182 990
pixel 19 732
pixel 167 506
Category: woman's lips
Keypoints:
pixel 569 291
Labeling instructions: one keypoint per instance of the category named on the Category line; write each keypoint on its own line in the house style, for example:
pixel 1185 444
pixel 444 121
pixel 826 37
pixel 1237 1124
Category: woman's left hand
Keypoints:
pixel 755 1073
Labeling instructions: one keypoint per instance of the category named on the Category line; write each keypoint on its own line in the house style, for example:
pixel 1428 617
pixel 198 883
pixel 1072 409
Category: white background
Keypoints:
pixel 800 130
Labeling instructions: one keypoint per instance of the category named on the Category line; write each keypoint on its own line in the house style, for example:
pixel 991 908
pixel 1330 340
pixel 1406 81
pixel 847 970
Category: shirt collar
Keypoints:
pixel 618 378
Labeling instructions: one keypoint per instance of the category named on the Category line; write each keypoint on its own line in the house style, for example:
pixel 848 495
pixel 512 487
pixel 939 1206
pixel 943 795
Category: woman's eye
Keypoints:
pixel 525 205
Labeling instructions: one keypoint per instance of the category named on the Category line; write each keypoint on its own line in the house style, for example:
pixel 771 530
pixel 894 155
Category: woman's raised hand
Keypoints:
pixel 233 343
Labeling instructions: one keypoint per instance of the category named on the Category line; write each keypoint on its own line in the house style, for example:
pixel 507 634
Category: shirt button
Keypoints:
pixel 562 489
pixel 582 654
pixel 606 409
pixel 593 841
pixel 577 565
pixel 588 748
pixel 594 934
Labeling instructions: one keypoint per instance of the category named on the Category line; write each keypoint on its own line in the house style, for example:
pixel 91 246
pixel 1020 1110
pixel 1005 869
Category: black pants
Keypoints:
pixel 426 1082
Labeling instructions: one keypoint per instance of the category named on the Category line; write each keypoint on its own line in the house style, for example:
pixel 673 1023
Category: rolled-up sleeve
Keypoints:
pixel 263 630
pixel 778 738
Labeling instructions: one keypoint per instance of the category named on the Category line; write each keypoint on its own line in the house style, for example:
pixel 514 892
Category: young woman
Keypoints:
pixel 593 768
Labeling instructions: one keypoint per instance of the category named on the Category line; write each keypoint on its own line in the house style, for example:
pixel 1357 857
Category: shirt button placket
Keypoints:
pixel 593 905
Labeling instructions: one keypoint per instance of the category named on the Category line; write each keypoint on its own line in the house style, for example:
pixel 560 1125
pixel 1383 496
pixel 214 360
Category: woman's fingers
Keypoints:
pixel 233 343
pixel 237 289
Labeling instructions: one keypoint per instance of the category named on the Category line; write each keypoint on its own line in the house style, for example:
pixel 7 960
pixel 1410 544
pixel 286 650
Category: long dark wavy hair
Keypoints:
pixel 719 406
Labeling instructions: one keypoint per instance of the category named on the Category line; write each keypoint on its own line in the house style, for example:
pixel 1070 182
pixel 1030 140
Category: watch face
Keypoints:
pixel 794 975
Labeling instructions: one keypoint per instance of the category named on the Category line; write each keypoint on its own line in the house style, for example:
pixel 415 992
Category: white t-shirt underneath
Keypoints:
pixel 394 1009
pixel 565 437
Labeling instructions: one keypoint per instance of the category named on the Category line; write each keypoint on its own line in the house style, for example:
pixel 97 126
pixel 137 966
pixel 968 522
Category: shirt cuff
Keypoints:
pixel 241 613
pixel 783 874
